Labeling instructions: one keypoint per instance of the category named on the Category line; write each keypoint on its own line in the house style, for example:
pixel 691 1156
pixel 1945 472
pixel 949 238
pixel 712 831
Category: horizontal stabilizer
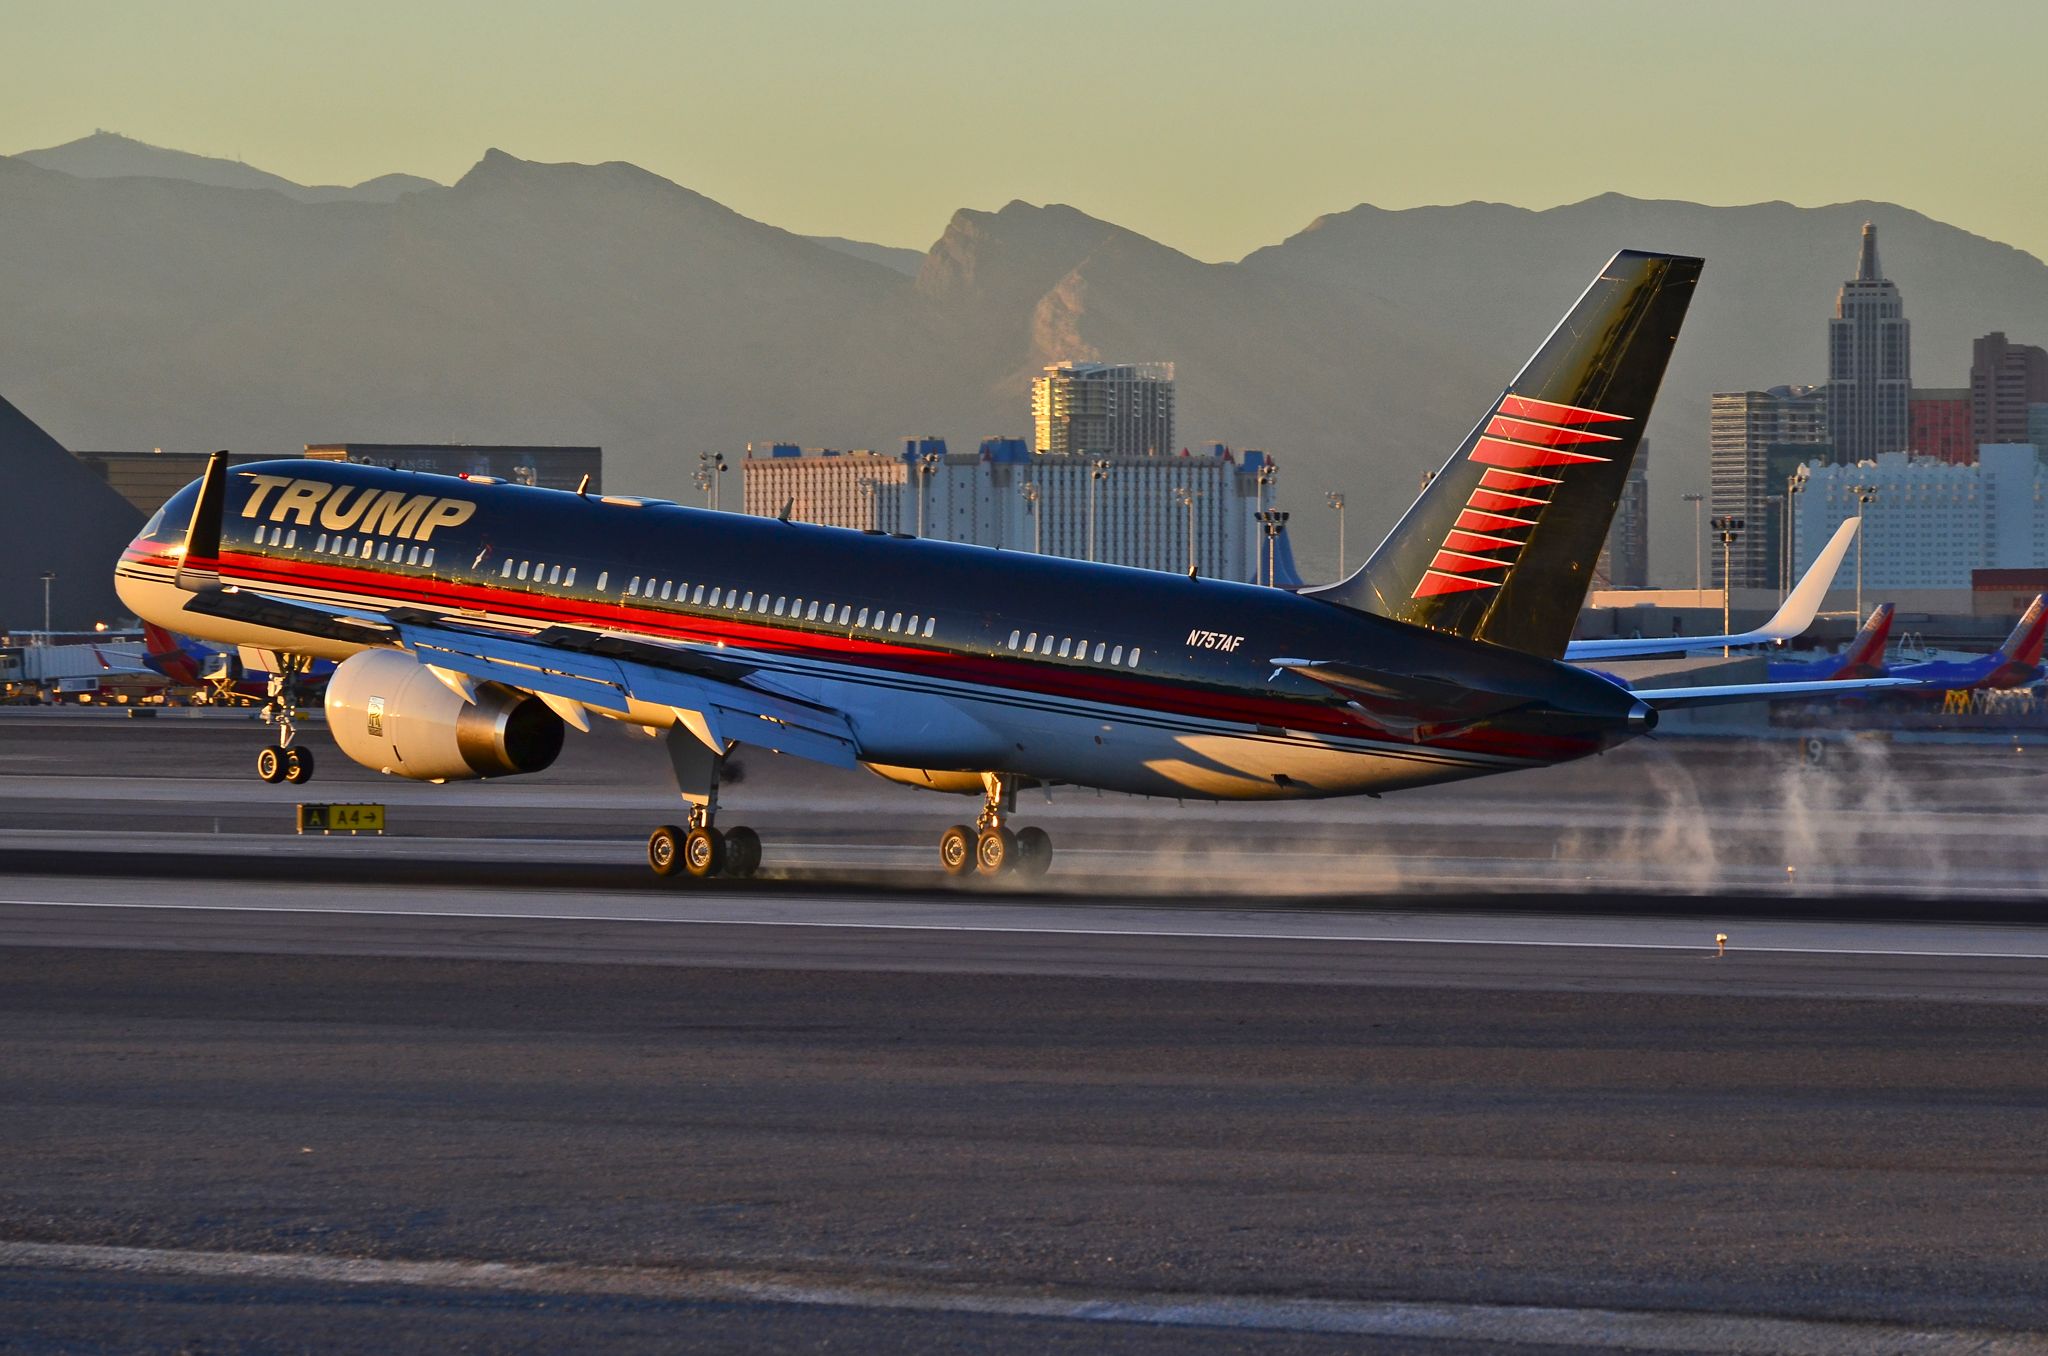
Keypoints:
pixel 1798 612
pixel 1669 698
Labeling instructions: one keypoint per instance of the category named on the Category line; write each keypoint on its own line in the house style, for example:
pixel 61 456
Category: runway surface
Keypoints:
pixel 486 1084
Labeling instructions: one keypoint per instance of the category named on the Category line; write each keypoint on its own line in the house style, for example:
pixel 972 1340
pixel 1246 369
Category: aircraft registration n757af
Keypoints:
pixel 472 623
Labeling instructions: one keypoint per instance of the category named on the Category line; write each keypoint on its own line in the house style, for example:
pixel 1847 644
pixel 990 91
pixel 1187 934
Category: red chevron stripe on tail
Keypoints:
pixel 1525 407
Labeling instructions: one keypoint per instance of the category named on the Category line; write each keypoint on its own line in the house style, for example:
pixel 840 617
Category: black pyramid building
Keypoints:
pixel 56 516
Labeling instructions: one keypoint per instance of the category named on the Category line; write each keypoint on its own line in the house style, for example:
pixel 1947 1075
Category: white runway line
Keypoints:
pixel 1586 1329
pixel 1907 941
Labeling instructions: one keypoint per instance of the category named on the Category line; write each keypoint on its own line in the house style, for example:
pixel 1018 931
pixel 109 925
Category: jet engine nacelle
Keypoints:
pixel 389 713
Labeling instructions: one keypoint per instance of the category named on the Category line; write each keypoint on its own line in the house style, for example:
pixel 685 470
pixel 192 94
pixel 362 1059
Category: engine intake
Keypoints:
pixel 389 713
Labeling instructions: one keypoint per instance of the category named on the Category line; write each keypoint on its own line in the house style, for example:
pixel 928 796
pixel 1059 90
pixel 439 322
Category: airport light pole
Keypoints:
pixel 1336 499
pixel 927 467
pixel 49 578
pixel 1793 486
pixel 1267 472
pixel 1699 570
pixel 1272 520
pixel 1098 471
pixel 1185 497
pixel 1029 489
pixel 865 487
pixel 1726 528
pixel 1865 494
pixel 710 466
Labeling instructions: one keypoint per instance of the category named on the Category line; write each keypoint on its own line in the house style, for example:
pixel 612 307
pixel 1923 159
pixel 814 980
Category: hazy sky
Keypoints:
pixel 1215 127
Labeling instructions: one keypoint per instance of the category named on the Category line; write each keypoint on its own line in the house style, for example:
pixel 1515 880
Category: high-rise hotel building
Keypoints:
pixel 1870 363
pixel 1104 410
pixel 1757 440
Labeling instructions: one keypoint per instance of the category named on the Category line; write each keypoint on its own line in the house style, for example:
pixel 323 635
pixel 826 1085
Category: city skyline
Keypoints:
pixel 878 123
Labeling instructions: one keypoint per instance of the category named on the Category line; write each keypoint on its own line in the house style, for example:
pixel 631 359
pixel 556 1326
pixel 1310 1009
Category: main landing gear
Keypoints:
pixel 700 850
pixel 287 762
pixel 990 848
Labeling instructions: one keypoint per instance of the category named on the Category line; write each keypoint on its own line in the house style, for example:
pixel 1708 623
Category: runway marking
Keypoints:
pixel 1580 1328
pixel 1702 947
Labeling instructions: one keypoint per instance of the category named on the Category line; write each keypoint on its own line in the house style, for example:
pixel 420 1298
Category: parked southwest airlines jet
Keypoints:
pixel 2014 664
pixel 472 621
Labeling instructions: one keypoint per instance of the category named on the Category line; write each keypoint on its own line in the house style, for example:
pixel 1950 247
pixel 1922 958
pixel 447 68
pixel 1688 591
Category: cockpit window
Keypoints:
pixel 170 523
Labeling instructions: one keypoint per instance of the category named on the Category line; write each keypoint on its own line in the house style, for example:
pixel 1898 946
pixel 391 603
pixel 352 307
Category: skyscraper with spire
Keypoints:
pixel 1870 365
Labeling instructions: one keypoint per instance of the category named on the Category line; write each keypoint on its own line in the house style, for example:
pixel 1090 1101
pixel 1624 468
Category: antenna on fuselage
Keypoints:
pixel 583 484
pixel 787 505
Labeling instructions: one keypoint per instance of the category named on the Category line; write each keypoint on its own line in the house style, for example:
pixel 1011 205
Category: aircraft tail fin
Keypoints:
pixel 1500 547
pixel 1865 656
pixel 2023 646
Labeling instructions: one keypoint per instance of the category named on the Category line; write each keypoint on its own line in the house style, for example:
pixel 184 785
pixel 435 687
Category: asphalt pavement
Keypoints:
pixel 483 1085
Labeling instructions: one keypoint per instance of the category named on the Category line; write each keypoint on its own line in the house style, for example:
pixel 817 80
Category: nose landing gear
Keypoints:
pixel 287 762
pixel 990 848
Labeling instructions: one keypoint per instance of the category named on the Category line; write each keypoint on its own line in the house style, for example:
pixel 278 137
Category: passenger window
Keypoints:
pixel 896 622
pixel 929 623
pixel 291 540
pixel 569 579
pixel 763 608
pixel 714 597
pixel 698 597
pixel 412 557
pixel 665 586
pixel 779 602
pixel 1015 636
pixel 523 565
pixel 862 620
pixel 352 544
pixel 383 550
pixel 845 611
pixel 912 628
pixel 1098 652
pixel 427 562
pixel 633 587
pixel 1135 652
pixel 812 615
pixel 1066 645
pixel 1031 645
pixel 602 575
pixel 555 574
pixel 321 545
pixel 506 573
pixel 1116 656
pixel 748 605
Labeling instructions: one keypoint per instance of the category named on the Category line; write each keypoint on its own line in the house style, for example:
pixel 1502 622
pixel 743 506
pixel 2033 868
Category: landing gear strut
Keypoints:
pixel 990 848
pixel 286 762
pixel 699 850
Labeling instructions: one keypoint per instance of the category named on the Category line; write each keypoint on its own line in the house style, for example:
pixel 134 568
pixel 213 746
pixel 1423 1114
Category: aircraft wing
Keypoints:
pixel 1667 698
pixel 1798 612
pixel 719 700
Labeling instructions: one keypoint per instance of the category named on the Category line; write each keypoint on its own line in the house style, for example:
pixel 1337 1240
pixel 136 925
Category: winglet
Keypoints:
pixel 1802 605
pixel 201 567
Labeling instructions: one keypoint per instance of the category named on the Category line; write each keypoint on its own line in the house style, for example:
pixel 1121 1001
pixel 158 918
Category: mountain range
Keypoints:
pixel 156 298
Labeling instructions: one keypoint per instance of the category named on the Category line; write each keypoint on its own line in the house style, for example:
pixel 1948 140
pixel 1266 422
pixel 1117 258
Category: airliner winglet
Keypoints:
pixel 1797 613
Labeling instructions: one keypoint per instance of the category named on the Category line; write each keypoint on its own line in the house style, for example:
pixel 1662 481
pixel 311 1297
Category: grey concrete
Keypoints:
pixel 1400 1060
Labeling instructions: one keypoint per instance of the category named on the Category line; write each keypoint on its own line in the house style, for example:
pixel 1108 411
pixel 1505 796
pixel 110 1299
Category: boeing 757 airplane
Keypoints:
pixel 473 622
